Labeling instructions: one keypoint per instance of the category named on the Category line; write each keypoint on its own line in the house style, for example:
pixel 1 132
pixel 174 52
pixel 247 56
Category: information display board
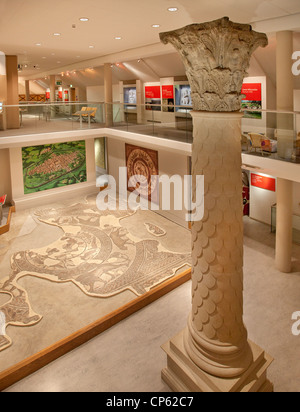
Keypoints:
pixel 253 99
pixel 263 182
pixel 153 98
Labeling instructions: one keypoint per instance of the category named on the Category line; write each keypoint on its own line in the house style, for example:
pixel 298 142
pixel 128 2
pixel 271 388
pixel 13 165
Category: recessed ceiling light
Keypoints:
pixel 84 19
pixel 56 34
pixel 172 9
pixel 118 38
pixel 38 44
pixel 155 26
pixel 91 47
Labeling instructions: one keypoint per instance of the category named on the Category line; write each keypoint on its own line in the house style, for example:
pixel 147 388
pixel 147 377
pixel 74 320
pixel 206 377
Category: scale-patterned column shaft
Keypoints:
pixel 216 322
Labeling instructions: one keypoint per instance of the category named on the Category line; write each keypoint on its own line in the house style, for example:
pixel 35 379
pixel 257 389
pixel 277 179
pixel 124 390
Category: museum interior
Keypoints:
pixel 167 135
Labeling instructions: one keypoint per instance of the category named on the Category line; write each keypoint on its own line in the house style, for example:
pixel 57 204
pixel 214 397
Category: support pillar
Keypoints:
pixel 108 95
pixel 284 225
pixel 285 94
pixel 3 90
pixel 213 353
pixel 52 96
pixel 27 91
pixel 285 147
pixel 12 113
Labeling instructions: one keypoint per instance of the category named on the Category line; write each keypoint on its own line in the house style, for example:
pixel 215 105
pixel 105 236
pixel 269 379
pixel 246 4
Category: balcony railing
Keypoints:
pixel 266 133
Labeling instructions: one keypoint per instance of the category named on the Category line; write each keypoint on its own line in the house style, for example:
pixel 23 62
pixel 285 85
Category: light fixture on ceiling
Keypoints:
pixel 57 34
pixel 38 44
pixel 91 47
pixel 155 26
pixel 172 9
pixel 84 19
pixel 118 38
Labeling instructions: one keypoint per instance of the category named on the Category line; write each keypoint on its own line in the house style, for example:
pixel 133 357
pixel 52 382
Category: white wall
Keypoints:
pixel 169 164
pixel 261 201
pixel 33 87
pixel 96 93
pixel 5 181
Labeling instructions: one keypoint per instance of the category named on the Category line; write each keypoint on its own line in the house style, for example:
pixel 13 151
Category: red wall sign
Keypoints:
pixel 263 182
pixel 152 92
pixel 252 91
pixel 168 92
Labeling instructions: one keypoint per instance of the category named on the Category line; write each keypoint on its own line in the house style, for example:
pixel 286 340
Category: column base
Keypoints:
pixel 183 375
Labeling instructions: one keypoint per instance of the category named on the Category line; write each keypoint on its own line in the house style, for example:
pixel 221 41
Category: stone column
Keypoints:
pixel 12 113
pixel 52 96
pixel 284 225
pixel 285 137
pixel 285 94
pixel 27 91
pixel 213 353
pixel 108 95
pixel 3 90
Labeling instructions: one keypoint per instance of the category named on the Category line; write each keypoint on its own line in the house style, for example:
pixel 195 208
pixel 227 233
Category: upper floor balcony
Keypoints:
pixel 265 134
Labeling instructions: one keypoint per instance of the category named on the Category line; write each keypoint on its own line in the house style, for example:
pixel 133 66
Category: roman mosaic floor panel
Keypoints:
pixel 102 253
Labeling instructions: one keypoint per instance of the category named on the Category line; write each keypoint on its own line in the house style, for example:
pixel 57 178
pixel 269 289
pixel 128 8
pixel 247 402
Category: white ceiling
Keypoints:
pixel 24 23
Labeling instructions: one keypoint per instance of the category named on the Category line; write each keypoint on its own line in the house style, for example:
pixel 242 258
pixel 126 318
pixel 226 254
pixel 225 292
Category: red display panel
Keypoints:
pixel 168 92
pixel 263 182
pixel 252 91
pixel 152 92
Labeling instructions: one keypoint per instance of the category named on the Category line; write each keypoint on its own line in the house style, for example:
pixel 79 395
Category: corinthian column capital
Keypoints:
pixel 216 56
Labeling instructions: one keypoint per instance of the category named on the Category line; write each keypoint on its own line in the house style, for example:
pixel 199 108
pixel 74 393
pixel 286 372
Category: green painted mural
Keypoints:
pixel 53 165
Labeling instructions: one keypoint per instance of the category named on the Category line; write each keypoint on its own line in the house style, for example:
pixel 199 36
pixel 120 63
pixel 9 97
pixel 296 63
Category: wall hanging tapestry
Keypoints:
pixel 143 162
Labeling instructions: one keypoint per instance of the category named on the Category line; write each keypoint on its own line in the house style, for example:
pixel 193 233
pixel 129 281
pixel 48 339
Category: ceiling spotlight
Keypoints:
pixel 155 26
pixel 91 47
pixel 84 19
pixel 172 9
pixel 56 34
pixel 38 44
pixel 118 38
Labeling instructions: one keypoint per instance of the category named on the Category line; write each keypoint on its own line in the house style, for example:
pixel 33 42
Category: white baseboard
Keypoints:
pixel 54 195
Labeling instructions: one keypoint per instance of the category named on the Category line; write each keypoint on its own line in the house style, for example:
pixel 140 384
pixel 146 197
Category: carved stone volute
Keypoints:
pixel 218 65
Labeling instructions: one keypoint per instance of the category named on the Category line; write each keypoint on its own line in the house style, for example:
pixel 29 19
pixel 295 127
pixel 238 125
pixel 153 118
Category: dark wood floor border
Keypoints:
pixel 30 365
pixel 5 228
